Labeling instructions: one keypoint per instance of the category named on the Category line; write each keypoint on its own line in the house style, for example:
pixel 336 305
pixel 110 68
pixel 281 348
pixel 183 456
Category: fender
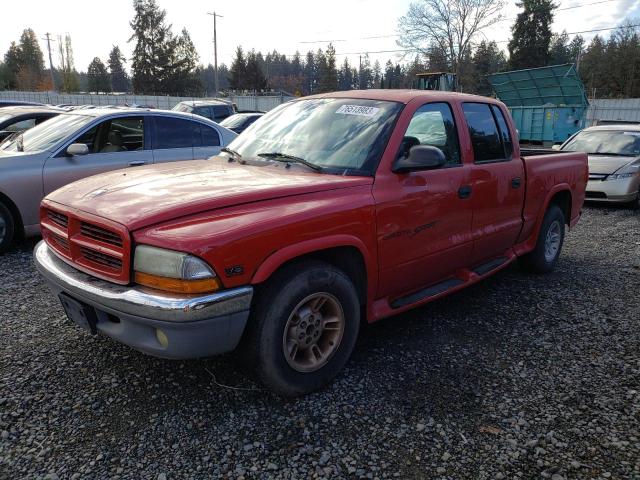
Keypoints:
pixel 530 243
pixel 290 252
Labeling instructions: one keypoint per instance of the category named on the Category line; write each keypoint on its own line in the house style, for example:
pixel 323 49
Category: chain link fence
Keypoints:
pixel 243 102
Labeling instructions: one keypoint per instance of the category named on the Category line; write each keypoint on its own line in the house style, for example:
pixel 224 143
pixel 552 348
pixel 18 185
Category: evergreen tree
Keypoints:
pixel 345 76
pixel 531 34
pixel 154 50
pixel 365 75
pixel 12 63
pixel 377 74
pixel 329 76
pixel 25 62
pixel 310 73
pixel 255 79
pixel 487 59
pixel 238 71
pixel 559 51
pixel 119 77
pixel 98 77
pixel 183 78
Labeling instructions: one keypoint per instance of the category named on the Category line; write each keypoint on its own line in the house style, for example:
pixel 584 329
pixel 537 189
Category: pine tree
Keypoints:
pixel 98 77
pixel 183 78
pixel 155 44
pixel 254 77
pixel 27 61
pixel 238 71
pixel 531 34
pixel 12 62
pixel 487 59
pixel 345 76
pixel 310 73
pixel 119 77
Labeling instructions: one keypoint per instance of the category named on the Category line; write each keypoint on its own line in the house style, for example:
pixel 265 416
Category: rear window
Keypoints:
pixel 210 137
pixel 220 112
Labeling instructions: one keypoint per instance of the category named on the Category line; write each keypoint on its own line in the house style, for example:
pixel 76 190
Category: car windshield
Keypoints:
pixel 340 135
pixel 182 107
pixel 4 118
pixel 234 121
pixel 606 142
pixel 46 135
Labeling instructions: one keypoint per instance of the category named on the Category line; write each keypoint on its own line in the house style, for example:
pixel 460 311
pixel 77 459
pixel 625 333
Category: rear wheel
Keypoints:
pixel 7 228
pixel 635 204
pixel 303 327
pixel 543 258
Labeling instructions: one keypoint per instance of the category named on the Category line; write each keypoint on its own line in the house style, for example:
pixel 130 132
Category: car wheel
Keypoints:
pixel 543 258
pixel 7 228
pixel 635 204
pixel 303 327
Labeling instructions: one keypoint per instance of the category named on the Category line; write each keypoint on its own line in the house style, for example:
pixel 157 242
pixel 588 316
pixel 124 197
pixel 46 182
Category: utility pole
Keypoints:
pixel 47 36
pixel 360 73
pixel 215 52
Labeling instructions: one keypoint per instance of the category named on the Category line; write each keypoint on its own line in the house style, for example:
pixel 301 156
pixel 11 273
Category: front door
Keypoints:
pixel 498 182
pixel 424 218
pixel 113 144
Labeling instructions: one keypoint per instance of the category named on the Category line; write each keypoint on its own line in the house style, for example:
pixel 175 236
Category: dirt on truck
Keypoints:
pixel 328 211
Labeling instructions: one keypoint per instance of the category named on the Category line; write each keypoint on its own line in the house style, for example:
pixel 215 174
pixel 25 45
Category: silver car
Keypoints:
pixel 614 162
pixel 81 143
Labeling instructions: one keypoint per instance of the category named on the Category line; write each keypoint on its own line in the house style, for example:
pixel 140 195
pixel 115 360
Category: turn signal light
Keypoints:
pixel 176 285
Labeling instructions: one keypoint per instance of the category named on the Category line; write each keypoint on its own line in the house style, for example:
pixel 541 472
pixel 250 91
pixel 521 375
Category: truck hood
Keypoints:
pixel 608 164
pixel 143 196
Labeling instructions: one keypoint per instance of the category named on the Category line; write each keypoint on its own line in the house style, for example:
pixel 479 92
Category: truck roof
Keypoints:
pixel 404 96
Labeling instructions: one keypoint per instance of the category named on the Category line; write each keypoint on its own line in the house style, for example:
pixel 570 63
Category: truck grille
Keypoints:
pixel 92 244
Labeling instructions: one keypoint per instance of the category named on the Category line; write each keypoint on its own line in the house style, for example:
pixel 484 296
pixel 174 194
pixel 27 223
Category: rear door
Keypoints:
pixel 424 224
pixel 497 181
pixel 174 139
pixel 115 143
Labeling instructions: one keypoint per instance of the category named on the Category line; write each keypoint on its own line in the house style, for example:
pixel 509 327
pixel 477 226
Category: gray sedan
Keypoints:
pixel 81 143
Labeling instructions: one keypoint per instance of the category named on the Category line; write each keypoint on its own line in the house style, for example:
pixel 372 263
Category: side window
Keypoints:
pixel 433 124
pixel 89 138
pixel 176 133
pixel 486 141
pixel 504 131
pixel 203 112
pixel 21 125
pixel 124 135
pixel 210 136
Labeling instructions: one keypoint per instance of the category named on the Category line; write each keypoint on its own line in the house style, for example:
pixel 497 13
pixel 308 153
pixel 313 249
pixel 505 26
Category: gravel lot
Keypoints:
pixel 518 377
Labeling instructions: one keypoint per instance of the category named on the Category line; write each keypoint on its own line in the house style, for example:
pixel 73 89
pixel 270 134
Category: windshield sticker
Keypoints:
pixel 358 110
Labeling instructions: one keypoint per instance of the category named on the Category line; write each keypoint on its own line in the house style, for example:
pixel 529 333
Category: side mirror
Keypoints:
pixel 421 157
pixel 77 149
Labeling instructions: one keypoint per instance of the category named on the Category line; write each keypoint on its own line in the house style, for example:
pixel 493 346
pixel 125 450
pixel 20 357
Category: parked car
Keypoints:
pixel 240 121
pixel 18 119
pixel 216 110
pixel 81 143
pixel 614 162
pixel 15 103
pixel 361 202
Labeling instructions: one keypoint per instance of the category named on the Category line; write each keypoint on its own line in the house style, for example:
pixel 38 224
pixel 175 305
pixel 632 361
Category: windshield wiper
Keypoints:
pixel 284 157
pixel 235 154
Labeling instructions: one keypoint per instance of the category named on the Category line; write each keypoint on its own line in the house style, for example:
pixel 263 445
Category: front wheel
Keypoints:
pixel 7 228
pixel 303 328
pixel 543 258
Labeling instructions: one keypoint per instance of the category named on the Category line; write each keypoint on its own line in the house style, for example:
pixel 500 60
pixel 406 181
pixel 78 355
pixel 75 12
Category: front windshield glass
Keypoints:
pixel 234 121
pixel 605 142
pixel 46 135
pixel 341 135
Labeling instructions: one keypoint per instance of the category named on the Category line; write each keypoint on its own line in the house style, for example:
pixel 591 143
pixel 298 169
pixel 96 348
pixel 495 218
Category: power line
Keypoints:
pixel 336 40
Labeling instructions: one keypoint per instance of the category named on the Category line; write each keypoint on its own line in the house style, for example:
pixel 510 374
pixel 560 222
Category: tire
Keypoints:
pixel 541 259
pixel 280 343
pixel 7 228
pixel 635 204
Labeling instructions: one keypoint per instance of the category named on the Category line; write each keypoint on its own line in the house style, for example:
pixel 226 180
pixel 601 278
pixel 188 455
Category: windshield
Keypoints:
pixel 234 121
pixel 605 142
pixel 339 134
pixel 182 107
pixel 46 135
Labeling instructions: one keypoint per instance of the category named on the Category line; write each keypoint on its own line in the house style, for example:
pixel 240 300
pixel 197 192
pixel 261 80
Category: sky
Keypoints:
pixel 285 25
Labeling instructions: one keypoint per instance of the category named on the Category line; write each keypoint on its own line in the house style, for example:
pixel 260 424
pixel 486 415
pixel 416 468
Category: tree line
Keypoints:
pixel 164 63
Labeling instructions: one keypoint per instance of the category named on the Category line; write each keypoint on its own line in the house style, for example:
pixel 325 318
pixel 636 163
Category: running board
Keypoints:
pixel 486 267
pixel 431 291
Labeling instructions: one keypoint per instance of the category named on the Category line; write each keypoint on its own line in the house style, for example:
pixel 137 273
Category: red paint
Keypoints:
pixel 411 230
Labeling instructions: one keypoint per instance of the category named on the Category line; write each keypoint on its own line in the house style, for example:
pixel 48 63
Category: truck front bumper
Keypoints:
pixel 157 323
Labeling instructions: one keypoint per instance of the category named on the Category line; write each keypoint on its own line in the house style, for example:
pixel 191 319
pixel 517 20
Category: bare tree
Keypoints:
pixel 449 25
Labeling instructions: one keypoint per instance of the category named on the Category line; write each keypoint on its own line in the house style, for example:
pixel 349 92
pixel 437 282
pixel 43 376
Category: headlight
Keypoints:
pixel 625 172
pixel 173 271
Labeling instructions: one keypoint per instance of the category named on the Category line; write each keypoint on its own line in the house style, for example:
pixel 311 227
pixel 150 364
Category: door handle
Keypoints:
pixel 137 163
pixel 516 182
pixel 464 191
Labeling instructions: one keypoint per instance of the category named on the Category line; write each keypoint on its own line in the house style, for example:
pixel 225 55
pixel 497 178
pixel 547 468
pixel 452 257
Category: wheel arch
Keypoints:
pixel 347 253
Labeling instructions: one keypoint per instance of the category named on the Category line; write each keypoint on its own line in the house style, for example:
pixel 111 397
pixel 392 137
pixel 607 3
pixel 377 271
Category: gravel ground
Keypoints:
pixel 517 377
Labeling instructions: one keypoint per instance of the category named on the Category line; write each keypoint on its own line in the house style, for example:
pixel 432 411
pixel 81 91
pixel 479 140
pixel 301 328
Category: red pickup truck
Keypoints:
pixel 329 210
